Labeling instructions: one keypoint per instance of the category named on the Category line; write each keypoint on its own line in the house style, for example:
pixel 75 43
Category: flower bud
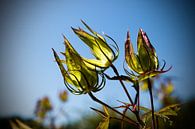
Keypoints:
pixel 78 78
pixel 145 63
pixel 101 50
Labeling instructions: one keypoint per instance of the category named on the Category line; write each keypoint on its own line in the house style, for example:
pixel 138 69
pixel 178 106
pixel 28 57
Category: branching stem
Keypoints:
pixel 102 103
pixel 128 95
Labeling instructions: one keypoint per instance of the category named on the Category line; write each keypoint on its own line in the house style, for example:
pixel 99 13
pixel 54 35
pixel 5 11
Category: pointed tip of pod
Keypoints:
pixel 141 30
pixel 127 41
pixel 66 42
pixel 65 39
pixel 52 49
pixel 74 29
pixel 77 31
pixel 84 23
pixel 54 52
pixel 146 39
pixel 142 33
pixel 128 45
pixel 55 55
pixel 128 35
pixel 82 20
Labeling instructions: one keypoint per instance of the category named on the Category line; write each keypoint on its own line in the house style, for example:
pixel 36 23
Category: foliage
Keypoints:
pixel 106 118
pixel 44 110
pixel 86 76
pixel 82 76
pixel 19 125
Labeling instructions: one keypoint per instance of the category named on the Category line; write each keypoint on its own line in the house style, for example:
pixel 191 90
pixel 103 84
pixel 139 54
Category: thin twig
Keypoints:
pixel 125 89
pixel 157 123
pixel 137 103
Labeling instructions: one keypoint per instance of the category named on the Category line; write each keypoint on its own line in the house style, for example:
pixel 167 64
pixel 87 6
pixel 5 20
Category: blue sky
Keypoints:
pixel 30 29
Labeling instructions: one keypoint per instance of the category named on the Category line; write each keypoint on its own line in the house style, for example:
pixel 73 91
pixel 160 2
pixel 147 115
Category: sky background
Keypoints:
pixel 28 31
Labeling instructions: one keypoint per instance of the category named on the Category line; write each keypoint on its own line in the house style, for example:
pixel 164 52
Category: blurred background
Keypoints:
pixel 29 29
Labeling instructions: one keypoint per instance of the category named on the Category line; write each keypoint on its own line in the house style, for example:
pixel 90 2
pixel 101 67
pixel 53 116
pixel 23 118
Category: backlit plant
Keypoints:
pixel 85 76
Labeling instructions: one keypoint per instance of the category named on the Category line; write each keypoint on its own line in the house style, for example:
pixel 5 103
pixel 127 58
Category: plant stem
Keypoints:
pixel 152 103
pixel 157 123
pixel 128 95
pixel 137 101
pixel 125 89
pixel 102 103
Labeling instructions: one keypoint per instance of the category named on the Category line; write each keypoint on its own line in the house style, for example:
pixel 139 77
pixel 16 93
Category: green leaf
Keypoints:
pixel 104 124
pixel 104 114
pixel 106 111
pixel 144 109
pixel 163 113
pixel 170 110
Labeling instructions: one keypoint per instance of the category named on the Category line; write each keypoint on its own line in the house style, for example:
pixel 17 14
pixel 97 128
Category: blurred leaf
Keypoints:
pixel 169 88
pixel 106 111
pixel 144 86
pixel 144 109
pixel 164 113
pixel 19 125
pixel 43 106
pixel 63 96
pixel 41 114
pixel 46 103
pixel 104 114
pixel 170 110
pixel 104 124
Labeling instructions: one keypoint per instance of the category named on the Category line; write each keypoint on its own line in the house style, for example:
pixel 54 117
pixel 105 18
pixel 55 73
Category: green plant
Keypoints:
pixel 85 76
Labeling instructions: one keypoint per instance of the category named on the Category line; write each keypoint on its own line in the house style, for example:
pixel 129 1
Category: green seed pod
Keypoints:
pixel 145 63
pixel 101 50
pixel 78 78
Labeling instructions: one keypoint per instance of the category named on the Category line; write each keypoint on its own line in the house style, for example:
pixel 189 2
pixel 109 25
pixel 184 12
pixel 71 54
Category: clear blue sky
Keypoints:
pixel 29 30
